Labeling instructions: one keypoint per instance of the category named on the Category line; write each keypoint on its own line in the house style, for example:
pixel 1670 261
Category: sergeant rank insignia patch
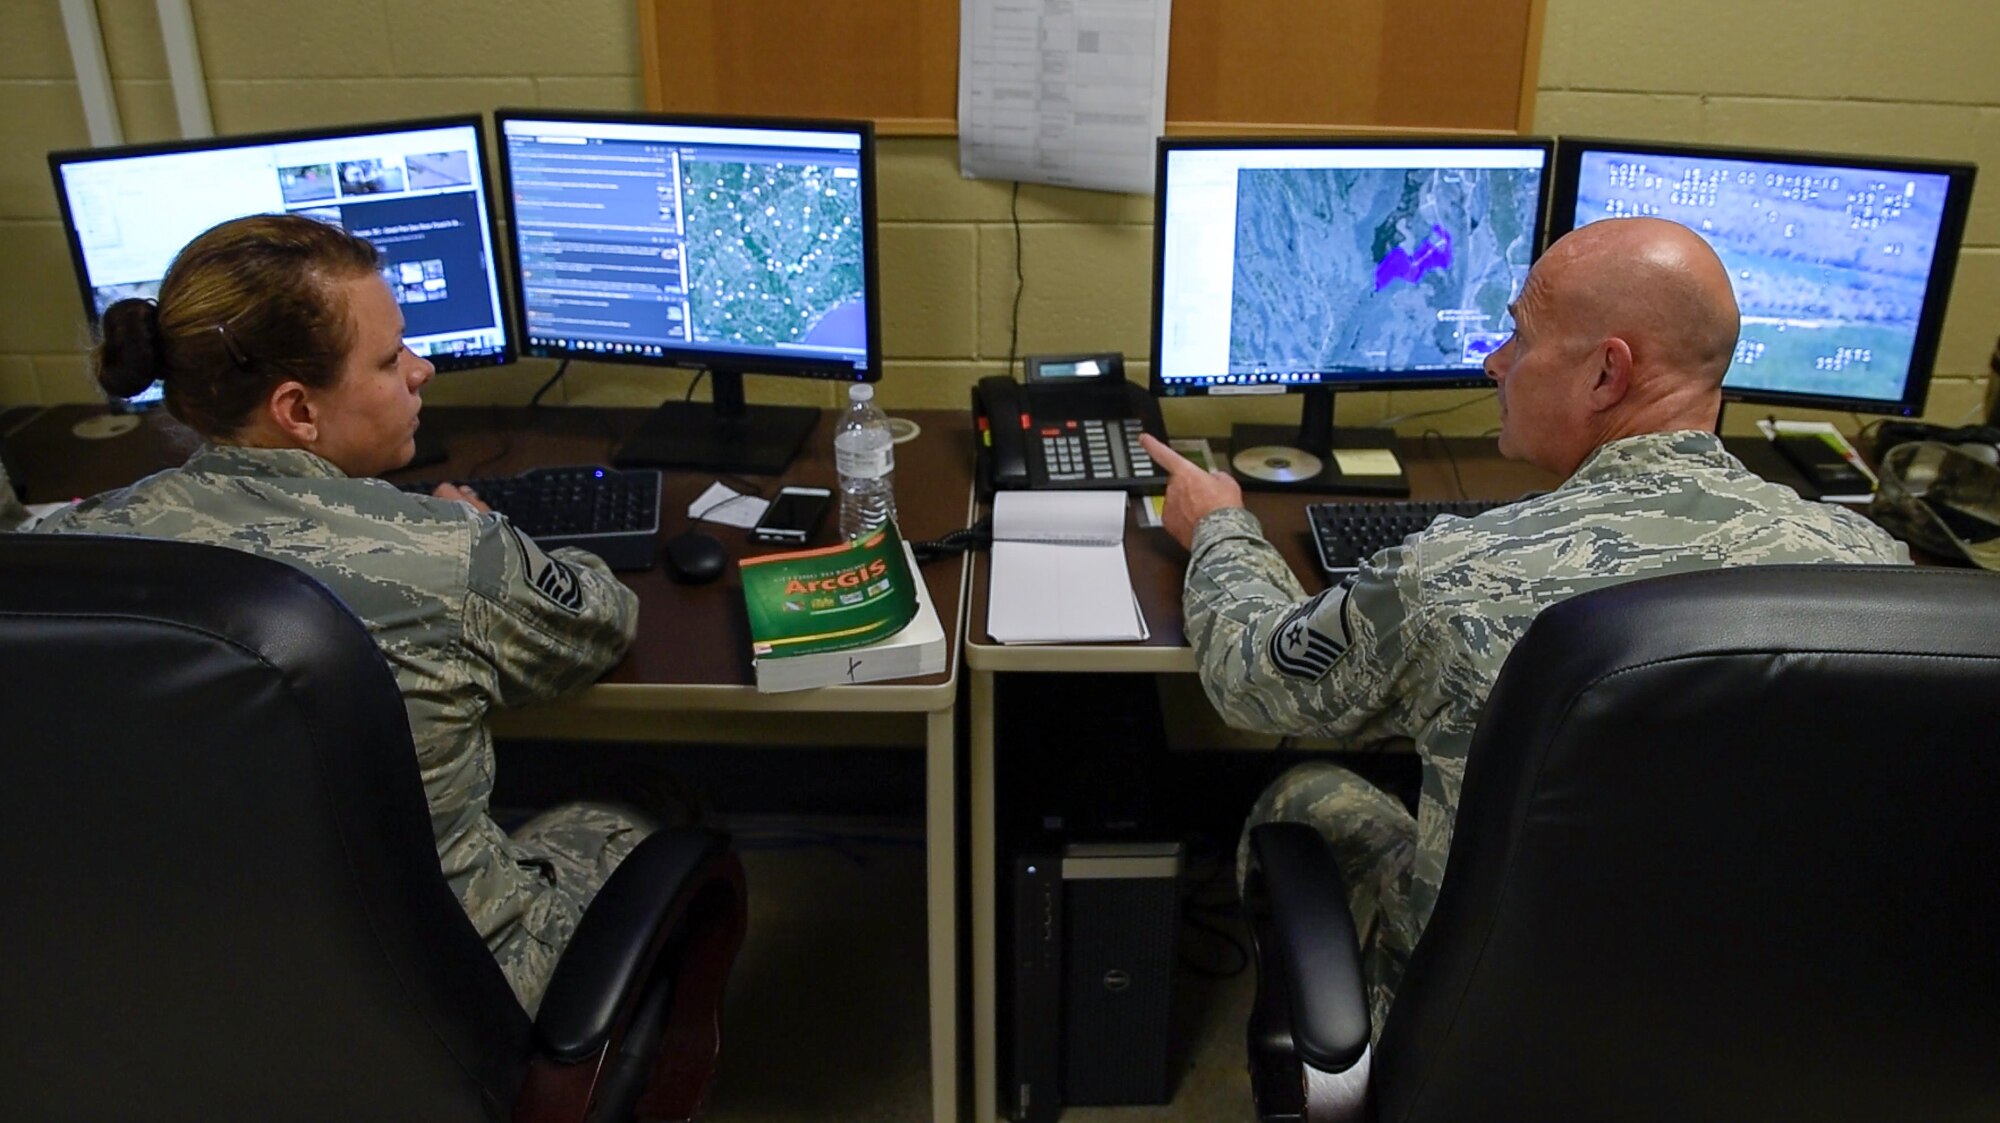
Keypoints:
pixel 1300 650
pixel 555 580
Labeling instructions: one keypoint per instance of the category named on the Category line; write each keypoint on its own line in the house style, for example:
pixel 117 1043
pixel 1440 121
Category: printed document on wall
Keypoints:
pixel 1068 92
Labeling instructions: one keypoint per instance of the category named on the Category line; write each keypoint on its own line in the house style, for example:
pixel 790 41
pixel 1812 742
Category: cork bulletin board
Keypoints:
pixel 1233 65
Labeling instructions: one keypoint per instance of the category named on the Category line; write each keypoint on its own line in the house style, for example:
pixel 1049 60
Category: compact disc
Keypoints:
pixel 1276 464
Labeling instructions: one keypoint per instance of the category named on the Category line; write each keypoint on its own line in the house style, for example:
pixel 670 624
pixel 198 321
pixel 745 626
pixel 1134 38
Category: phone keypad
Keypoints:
pixel 1092 450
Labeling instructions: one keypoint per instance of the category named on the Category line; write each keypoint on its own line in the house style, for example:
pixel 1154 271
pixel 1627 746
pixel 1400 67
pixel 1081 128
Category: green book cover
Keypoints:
pixel 829 599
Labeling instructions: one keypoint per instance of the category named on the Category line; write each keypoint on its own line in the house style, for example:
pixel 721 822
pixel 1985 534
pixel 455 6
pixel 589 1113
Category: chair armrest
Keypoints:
pixel 608 963
pixel 1306 948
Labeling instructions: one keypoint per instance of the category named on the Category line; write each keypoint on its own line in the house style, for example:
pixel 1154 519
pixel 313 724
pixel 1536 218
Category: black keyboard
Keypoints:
pixel 1347 531
pixel 612 512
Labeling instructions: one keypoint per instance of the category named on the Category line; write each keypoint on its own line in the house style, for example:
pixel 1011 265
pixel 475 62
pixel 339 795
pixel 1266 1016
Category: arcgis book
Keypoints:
pixel 853 613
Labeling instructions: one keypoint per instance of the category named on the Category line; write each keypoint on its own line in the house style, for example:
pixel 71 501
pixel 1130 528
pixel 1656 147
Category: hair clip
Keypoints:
pixel 236 354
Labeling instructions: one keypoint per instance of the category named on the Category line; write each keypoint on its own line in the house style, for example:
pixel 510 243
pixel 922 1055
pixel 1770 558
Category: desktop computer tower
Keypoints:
pixel 1120 912
pixel 1091 968
pixel 1034 1025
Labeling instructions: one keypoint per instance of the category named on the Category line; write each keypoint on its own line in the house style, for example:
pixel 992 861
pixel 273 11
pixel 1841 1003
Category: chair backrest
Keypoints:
pixel 1728 849
pixel 222 897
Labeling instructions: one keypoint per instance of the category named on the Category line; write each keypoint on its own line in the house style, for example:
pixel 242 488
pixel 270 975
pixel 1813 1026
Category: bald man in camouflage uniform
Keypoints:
pixel 1624 330
pixel 472 615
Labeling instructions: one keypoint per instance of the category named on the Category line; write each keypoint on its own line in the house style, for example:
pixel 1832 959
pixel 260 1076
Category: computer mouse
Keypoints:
pixel 693 558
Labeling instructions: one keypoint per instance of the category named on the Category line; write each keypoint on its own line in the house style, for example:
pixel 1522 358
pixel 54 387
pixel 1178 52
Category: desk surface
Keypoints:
pixel 1158 564
pixel 689 636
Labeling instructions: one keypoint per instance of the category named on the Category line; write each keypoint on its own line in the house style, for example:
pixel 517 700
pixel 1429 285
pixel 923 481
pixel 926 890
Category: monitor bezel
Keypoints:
pixel 1570 151
pixel 1419 379
pixel 696 357
pixel 509 348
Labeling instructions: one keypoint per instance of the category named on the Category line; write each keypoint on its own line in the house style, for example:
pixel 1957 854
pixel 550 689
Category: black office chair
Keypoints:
pixel 1728 849
pixel 221 898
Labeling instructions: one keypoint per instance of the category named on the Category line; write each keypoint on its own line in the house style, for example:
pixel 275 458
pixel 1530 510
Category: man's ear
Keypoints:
pixel 1613 379
pixel 292 411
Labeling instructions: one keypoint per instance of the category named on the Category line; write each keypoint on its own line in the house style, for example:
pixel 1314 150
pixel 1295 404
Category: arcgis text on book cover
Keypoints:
pixel 829 599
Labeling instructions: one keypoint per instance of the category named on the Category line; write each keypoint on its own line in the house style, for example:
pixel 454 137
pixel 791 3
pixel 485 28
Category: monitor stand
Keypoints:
pixel 722 435
pixel 1285 458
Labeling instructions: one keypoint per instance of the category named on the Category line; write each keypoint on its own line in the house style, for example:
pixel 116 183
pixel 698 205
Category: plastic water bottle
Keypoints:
pixel 864 453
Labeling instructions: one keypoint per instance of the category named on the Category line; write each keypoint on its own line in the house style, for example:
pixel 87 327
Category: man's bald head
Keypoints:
pixel 1624 327
pixel 1653 283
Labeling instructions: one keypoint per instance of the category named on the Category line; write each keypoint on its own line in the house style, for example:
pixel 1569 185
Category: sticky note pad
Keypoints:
pixel 1366 462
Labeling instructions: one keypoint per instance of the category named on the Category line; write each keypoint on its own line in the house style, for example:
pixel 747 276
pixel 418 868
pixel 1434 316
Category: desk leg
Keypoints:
pixel 941 867
pixel 985 917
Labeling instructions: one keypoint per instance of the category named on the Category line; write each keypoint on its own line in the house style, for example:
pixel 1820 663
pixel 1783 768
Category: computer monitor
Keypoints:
pixel 730 245
pixel 1842 264
pixel 1290 265
pixel 416 189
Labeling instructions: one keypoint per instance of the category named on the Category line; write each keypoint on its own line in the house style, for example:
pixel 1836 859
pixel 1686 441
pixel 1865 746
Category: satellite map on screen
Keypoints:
pixel 1377 269
pixel 774 253
pixel 1829 263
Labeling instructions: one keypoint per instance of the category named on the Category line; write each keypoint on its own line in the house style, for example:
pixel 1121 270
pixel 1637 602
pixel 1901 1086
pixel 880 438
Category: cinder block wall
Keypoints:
pixel 1913 78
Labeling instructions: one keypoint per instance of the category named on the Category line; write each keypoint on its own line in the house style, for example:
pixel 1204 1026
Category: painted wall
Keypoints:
pixel 1915 78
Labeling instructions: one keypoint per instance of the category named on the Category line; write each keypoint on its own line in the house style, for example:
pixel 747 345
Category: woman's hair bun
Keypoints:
pixel 129 359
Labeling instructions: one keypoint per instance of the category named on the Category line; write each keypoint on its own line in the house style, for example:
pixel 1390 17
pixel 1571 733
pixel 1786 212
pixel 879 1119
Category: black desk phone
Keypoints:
pixel 1074 424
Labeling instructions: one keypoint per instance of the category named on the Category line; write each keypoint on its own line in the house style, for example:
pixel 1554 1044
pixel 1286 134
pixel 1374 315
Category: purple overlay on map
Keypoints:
pixel 1402 265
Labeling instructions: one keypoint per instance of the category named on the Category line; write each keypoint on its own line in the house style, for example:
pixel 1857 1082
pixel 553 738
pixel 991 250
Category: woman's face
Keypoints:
pixel 368 418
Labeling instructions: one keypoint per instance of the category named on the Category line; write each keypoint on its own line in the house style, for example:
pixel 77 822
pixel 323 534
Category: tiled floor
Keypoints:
pixel 826 1019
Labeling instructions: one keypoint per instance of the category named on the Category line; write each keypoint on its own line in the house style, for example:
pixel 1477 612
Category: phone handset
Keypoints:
pixel 999 415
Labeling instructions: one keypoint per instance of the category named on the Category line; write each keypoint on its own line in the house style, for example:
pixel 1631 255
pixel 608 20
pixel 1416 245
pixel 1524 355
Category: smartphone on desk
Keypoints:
pixel 793 516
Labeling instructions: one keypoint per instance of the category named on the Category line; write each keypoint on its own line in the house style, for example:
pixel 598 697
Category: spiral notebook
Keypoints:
pixel 1059 571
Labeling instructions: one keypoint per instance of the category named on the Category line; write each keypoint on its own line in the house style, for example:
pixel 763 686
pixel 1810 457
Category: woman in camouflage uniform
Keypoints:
pixel 281 345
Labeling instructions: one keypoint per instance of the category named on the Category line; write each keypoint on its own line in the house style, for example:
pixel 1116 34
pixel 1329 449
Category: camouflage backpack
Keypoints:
pixel 1943 499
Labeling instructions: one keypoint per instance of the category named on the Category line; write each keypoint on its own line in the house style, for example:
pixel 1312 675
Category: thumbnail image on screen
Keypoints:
pixel 1831 264
pixel 413 189
pixel 657 240
pixel 1313 264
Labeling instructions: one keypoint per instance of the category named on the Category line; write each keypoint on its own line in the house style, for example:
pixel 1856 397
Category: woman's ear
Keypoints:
pixel 291 410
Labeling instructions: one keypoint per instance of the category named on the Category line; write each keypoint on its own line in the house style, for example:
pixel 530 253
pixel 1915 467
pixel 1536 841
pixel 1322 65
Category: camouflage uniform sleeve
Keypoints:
pixel 546 622
pixel 1337 664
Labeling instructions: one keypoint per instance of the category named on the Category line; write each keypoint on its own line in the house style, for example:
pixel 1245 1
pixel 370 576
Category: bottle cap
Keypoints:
pixel 860 392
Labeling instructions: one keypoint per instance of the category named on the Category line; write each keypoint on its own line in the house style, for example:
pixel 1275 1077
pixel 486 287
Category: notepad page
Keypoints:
pixel 1062 593
pixel 1059 516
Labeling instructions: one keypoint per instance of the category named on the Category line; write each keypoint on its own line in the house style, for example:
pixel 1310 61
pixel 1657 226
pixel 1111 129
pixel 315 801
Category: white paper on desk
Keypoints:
pixel 1059 516
pixel 1069 92
pixel 1059 572
pixel 724 504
